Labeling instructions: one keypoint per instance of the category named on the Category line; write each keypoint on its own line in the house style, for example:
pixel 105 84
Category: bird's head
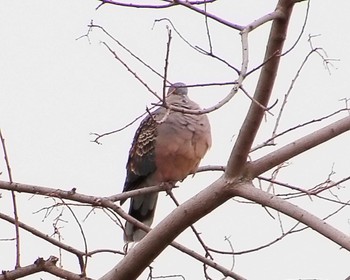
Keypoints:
pixel 178 89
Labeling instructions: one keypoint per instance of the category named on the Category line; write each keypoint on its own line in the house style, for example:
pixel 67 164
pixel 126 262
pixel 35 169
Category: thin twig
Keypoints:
pixel 14 203
pixel 43 236
pixel 207 29
pixel 197 48
pixel 149 6
pixel 83 265
pixel 166 63
pixel 270 141
pixel 98 251
pixel 328 186
pixel 104 202
pixel 273 181
pixel 286 96
pixel 283 235
pixel 99 136
pixel 131 71
pixel 200 240
pixel 302 29
pixel 126 49
pixel 256 102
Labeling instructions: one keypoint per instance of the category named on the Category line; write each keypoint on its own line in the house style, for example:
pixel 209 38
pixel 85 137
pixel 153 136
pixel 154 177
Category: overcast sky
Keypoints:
pixel 55 90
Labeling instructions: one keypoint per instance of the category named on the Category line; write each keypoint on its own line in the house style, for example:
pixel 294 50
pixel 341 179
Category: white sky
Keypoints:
pixel 55 90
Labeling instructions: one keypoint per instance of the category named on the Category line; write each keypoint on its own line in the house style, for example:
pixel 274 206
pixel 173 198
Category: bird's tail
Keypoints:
pixel 142 208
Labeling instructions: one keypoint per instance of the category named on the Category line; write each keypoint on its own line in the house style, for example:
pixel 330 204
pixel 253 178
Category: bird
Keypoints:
pixel 167 147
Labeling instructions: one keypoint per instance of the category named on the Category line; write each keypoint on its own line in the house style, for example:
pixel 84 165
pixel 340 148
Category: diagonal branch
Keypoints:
pixel 263 90
pixel 303 144
pixel 199 238
pixel 168 229
pixel 248 191
pixel 44 236
pixel 131 71
pixel 188 5
pixel 107 203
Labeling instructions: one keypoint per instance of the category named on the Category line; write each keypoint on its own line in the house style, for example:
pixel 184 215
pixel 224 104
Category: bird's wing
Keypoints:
pixel 167 147
pixel 141 162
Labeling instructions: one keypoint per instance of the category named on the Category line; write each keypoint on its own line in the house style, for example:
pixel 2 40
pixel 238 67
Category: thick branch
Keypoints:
pixel 297 147
pixel 263 90
pixel 167 230
pixel 107 203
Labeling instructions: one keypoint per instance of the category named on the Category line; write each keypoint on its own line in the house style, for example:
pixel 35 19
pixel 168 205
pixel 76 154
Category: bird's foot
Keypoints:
pixel 168 186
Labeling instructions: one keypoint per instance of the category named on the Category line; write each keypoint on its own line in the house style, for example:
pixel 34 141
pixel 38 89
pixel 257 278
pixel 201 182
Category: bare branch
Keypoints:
pixel 239 81
pixel 211 168
pixel 165 232
pixel 14 203
pixel 262 64
pixel 270 141
pixel 197 48
pixel 328 186
pixel 263 91
pixel 290 231
pixel 7 161
pixel 194 230
pixel 43 236
pixel 248 191
pixel 273 181
pixel 98 251
pixel 166 64
pixel 257 103
pixel 188 5
pixel 131 71
pixel 264 19
pixel 302 28
pixel 99 136
pixel 83 264
pixel 207 29
pixel 303 144
pixel 107 203
pixel 126 49
pixel 286 96
pixel 129 194
pixel 150 6
pixel 40 264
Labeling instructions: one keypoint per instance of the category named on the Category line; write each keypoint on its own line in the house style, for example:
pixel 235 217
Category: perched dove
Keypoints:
pixel 168 146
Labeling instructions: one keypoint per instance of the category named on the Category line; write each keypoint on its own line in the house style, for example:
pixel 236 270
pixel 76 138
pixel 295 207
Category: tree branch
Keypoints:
pixel 303 144
pixel 248 191
pixel 108 203
pixel 44 236
pixel 263 90
pixel 167 230
pixel 40 264
pixel 188 5
pixel 150 6
pixel 14 202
